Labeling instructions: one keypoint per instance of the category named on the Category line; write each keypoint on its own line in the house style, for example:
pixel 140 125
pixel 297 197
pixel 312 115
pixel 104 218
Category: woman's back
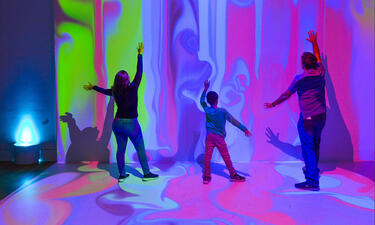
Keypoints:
pixel 127 102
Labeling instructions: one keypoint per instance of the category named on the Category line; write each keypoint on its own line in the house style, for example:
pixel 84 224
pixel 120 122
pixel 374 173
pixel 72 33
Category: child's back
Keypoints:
pixel 216 119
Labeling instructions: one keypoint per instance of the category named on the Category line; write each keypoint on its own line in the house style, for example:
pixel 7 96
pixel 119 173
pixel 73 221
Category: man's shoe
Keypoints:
pixel 237 178
pixel 122 178
pixel 206 180
pixel 307 186
pixel 150 176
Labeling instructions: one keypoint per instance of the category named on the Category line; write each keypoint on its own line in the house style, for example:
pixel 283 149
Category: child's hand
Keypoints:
pixel 88 86
pixel 206 84
pixel 247 133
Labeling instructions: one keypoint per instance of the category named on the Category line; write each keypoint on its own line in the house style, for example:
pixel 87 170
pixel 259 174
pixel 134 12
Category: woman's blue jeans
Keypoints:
pixel 124 129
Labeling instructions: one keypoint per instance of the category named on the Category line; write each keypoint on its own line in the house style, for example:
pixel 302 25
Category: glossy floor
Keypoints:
pixel 89 194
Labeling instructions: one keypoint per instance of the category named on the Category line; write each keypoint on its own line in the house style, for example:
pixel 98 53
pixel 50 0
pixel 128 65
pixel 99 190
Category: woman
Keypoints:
pixel 125 124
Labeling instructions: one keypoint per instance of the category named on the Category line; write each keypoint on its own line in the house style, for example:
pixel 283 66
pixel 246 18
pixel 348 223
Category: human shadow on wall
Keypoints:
pixel 191 121
pixel 85 145
pixel 336 144
pixel 189 82
pixel 189 133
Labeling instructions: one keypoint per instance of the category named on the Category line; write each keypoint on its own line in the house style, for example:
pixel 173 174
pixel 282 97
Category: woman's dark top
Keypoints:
pixel 127 100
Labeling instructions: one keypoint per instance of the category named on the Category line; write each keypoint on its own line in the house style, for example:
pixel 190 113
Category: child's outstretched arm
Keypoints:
pixel 239 125
pixel 90 86
pixel 203 96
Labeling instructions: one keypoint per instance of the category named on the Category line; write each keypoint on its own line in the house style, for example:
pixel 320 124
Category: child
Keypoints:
pixel 215 125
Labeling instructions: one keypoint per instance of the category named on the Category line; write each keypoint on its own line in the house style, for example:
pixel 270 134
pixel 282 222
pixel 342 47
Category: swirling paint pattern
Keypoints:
pixel 88 194
pixel 249 50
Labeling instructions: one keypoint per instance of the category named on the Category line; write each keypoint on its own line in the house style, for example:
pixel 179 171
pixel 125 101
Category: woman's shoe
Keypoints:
pixel 150 176
pixel 122 178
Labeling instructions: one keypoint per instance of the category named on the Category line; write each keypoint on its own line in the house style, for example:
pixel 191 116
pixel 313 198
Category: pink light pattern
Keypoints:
pixel 87 194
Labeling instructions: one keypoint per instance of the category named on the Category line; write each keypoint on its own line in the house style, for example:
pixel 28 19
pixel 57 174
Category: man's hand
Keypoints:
pixel 247 133
pixel 206 85
pixel 268 105
pixel 312 37
pixel 88 87
pixel 140 48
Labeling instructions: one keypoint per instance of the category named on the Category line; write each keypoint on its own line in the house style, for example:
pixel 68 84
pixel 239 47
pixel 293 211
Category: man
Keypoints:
pixel 310 87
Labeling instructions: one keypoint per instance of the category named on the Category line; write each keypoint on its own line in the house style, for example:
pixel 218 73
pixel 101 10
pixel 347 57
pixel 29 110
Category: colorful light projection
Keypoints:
pixel 250 50
pixel 86 194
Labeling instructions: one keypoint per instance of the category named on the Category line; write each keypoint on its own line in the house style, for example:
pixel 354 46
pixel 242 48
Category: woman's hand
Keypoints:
pixel 140 48
pixel 88 87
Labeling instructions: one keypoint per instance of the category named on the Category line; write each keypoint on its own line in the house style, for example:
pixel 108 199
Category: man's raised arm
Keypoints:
pixel 313 39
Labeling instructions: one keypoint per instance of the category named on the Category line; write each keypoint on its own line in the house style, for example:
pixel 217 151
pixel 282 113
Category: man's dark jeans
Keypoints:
pixel 310 131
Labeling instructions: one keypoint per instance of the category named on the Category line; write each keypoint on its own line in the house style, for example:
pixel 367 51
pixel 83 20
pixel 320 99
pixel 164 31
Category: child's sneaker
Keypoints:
pixel 122 178
pixel 307 186
pixel 150 176
pixel 237 178
pixel 206 180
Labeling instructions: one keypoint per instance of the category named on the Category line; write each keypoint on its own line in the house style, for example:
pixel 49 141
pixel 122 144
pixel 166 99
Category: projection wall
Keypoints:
pixel 249 50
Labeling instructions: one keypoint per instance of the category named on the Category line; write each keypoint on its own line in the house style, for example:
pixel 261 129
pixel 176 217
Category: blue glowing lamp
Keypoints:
pixel 27 147
pixel 26 134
